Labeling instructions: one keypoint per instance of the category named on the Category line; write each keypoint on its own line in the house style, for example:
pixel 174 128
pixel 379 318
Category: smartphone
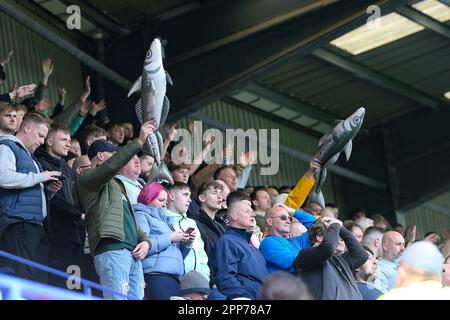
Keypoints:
pixel 189 230
pixel 61 177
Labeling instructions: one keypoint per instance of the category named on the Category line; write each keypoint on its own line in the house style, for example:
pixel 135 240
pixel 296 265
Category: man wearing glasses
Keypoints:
pixel 393 245
pixel 278 248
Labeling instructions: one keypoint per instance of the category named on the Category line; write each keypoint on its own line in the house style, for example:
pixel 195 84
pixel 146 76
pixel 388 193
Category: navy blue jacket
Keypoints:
pixel 239 268
pixel 18 205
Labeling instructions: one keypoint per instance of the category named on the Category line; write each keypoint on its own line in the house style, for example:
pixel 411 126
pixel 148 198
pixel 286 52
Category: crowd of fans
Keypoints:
pixel 75 190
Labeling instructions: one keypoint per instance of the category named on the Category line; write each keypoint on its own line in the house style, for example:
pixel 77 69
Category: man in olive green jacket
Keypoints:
pixel 115 240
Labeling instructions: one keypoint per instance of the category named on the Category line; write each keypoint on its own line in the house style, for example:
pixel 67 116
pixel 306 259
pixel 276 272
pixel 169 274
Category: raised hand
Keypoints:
pixel 288 209
pixel 97 107
pixel 25 90
pixel 7 59
pixel 208 141
pixel 85 107
pixel 147 128
pixel 87 89
pixel 247 158
pixel 171 133
pixel 47 70
pixel 62 94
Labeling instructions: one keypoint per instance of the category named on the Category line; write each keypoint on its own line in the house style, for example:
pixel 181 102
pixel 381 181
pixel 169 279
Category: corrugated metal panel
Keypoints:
pixel 431 216
pixel 322 84
pixel 420 60
pixel 29 51
pixel 290 169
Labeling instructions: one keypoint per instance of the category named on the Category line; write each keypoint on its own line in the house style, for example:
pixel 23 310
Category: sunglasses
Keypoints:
pixel 283 218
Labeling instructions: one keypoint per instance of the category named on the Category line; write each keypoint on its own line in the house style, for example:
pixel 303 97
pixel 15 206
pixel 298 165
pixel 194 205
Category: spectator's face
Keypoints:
pixel 84 164
pixel 8 121
pixel 242 215
pixel 59 143
pixel 36 134
pixel 146 166
pixel 225 193
pixel 393 246
pixel 262 201
pixel 228 176
pixel 132 169
pixel 273 194
pixel 279 221
pixel 370 268
pixel 212 199
pixel 128 130
pixel 117 135
pixel 160 201
pixel 75 147
pixel 357 232
pixel 314 208
pixel 180 175
pixel 180 199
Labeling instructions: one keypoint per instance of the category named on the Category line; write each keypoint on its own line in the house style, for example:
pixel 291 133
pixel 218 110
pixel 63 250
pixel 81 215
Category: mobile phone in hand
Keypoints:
pixel 189 230
pixel 61 177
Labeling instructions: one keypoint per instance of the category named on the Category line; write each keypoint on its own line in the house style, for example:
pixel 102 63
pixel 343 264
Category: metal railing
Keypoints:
pixel 16 288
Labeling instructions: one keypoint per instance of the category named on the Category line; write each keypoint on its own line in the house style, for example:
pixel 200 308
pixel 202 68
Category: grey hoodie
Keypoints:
pixel 10 179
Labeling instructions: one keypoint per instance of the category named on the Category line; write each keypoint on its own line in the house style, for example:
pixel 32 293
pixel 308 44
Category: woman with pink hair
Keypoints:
pixel 164 263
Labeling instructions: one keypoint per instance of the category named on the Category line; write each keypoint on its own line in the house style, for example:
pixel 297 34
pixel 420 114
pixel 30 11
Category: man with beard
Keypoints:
pixel 366 275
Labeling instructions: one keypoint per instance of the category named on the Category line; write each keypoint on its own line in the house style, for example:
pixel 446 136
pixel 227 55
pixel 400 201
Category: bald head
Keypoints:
pixel 393 245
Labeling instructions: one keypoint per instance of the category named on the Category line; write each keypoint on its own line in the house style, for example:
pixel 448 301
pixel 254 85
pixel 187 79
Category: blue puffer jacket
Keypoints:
pixel 163 256
pixel 239 268
pixel 26 204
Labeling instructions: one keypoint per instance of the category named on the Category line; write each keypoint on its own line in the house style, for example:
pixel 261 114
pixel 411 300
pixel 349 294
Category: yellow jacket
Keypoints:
pixel 301 190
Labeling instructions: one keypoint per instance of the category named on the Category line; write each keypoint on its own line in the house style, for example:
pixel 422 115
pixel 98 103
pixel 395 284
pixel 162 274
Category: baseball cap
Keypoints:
pixel 194 281
pixel 101 146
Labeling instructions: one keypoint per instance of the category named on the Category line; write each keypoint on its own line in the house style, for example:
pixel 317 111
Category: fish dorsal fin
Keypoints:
pixel 169 79
pixel 348 149
pixel 165 111
pixel 139 111
pixel 137 86
pixel 323 139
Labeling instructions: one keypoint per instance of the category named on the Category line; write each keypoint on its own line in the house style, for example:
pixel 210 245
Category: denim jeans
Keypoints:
pixel 120 271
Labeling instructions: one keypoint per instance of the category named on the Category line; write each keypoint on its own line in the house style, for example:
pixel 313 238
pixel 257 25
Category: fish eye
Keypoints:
pixel 149 54
pixel 357 120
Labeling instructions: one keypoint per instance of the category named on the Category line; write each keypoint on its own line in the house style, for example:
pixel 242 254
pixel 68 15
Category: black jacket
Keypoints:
pixel 65 223
pixel 210 230
pixel 329 277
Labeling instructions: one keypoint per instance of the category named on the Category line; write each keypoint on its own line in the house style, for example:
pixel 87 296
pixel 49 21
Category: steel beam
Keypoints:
pixel 64 45
pixel 424 20
pixel 377 78
pixel 99 18
pixel 209 77
pixel 291 103
pixel 352 175
pixel 273 117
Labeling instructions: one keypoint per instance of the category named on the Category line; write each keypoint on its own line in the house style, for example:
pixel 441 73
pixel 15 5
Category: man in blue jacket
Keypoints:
pixel 278 248
pixel 239 268
pixel 23 196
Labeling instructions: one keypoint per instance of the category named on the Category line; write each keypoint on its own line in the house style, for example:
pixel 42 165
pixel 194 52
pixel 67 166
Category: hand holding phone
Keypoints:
pixel 189 230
